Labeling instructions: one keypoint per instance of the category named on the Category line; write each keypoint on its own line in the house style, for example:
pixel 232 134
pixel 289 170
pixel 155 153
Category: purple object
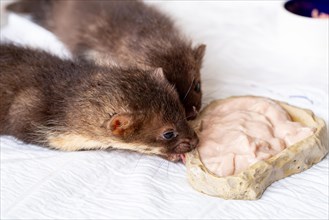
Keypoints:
pixel 305 7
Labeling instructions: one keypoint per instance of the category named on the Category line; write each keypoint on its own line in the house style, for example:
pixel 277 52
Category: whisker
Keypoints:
pixel 182 119
pixel 189 89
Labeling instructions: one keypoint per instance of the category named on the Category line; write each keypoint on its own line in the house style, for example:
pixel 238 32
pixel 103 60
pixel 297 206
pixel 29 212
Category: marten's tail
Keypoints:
pixel 39 10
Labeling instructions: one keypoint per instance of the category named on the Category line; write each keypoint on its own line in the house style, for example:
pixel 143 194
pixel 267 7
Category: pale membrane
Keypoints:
pixel 245 130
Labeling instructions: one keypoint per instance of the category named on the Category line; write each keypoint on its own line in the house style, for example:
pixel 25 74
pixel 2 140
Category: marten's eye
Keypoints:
pixel 197 87
pixel 169 135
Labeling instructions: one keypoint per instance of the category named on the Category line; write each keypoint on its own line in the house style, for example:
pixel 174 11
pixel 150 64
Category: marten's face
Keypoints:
pixel 164 133
pixel 174 139
pixel 156 122
pixel 182 69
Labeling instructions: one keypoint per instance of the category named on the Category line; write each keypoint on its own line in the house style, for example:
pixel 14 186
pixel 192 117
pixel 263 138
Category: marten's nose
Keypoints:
pixel 186 145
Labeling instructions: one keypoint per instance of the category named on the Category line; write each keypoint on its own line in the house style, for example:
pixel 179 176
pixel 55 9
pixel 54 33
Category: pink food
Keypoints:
pixel 242 131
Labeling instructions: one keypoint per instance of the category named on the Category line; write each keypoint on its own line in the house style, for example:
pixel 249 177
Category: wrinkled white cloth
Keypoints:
pixel 243 57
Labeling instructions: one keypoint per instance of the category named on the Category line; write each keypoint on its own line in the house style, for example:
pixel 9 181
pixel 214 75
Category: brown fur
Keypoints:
pixel 71 105
pixel 123 32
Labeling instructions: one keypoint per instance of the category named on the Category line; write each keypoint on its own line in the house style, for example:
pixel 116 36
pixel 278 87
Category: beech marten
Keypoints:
pixel 124 33
pixel 74 105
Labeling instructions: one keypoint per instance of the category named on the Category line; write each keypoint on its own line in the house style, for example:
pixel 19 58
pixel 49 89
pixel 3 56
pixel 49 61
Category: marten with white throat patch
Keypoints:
pixel 73 105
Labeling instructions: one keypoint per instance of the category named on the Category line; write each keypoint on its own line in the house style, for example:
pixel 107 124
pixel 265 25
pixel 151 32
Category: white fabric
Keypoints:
pixel 243 57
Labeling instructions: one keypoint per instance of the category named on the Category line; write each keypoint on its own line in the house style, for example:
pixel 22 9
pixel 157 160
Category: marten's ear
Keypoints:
pixel 199 52
pixel 158 73
pixel 119 125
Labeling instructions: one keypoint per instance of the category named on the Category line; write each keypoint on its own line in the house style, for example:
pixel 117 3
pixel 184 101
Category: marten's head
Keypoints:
pixel 127 109
pixel 181 65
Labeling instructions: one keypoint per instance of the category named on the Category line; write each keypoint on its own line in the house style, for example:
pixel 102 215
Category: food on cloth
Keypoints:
pixel 247 143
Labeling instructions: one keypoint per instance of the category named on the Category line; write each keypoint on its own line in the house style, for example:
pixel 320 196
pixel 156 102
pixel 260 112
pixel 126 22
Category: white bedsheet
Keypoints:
pixel 242 58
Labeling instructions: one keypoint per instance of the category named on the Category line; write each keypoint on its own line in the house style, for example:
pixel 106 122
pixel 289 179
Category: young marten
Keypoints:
pixel 70 105
pixel 123 32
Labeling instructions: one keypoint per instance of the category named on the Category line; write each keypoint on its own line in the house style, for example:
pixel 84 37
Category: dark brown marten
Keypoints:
pixel 123 32
pixel 69 105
